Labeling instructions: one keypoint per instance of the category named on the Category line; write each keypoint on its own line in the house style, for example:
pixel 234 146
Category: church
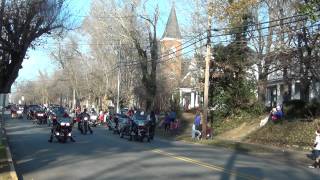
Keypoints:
pixel 173 69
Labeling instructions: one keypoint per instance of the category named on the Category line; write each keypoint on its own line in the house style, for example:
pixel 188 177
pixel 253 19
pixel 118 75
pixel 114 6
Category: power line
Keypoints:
pixel 247 31
pixel 168 53
pixel 220 35
pixel 168 59
pixel 265 22
pixel 160 59
pixel 225 34
pixel 274 34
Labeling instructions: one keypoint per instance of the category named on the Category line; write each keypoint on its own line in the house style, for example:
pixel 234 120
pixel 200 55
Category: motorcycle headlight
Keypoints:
pixel 57 133
pixel 67 124
pixel 85 118
pixel 63 124
pixel 69 134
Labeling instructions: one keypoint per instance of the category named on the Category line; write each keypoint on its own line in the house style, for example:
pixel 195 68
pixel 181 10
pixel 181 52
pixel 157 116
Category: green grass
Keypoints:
pixel 290 134
pixel 3 154
pixel 223 125
pixel 294 134
pixel 4 164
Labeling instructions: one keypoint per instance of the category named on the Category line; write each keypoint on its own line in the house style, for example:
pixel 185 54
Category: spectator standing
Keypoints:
pixel 167 122
pixel 316 147
pixel 197 121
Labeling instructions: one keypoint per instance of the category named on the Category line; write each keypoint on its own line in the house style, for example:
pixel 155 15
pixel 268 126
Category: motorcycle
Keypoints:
pixel 125 128
pixel 20 113
pixel 62 131
pixel 113 123
pixel 40 117
pixel 116 129
pixel 84 125
pixel 140 129
pixel 93 122
pixel 14 113
pixel 30 115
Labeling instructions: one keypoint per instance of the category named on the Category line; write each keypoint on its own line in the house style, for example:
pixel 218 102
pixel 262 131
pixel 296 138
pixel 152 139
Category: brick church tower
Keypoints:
pixel 170 49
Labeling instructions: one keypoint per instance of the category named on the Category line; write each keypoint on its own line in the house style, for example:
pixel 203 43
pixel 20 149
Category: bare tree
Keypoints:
pixel 22 23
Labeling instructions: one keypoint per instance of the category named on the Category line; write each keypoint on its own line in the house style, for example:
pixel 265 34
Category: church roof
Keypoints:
pixel 172 29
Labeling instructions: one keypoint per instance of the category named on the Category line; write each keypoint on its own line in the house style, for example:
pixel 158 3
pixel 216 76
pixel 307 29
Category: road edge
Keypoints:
pixel 13 173
pixel 298 156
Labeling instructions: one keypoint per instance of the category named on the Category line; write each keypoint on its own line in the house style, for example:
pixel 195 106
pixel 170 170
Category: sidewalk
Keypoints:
pixel 8 173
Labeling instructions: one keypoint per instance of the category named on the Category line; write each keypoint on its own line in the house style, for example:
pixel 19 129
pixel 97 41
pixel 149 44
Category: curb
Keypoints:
pixel 12 172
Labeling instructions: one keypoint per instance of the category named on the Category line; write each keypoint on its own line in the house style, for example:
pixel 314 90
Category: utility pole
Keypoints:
pixel 119 78
pixel 206 75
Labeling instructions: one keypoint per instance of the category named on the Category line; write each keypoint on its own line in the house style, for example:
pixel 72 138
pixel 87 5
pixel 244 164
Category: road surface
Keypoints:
pixel 104 155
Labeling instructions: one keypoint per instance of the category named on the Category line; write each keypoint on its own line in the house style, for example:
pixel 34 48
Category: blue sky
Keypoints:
pixel 39 58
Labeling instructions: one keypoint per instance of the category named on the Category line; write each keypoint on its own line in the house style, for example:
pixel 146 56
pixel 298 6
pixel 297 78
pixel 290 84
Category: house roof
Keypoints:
pixel 172 28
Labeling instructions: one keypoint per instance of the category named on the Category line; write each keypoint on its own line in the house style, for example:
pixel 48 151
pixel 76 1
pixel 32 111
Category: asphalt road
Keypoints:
pixel 106 156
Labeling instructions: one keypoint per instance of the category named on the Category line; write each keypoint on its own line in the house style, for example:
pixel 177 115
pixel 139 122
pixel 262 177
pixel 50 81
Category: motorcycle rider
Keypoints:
pixel 152 124
pixel 83 115
pixel 77 117
pixel 53 129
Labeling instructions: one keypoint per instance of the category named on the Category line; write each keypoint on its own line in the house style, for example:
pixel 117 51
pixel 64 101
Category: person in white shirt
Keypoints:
pixel 316 150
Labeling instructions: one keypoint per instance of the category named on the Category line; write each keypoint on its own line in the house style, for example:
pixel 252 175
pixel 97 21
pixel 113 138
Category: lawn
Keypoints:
pixel 294 134
pixel 291 134
pixel 3 154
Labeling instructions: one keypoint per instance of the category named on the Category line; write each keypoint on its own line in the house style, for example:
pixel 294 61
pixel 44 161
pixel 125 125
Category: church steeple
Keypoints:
pixel 172 29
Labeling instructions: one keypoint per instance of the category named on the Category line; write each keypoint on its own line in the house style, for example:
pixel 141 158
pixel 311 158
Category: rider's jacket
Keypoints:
pixel 83 115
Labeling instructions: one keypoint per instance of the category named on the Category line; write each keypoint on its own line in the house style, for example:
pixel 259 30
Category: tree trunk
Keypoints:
pixel 10 75
pixel 3 106
pixel 262 85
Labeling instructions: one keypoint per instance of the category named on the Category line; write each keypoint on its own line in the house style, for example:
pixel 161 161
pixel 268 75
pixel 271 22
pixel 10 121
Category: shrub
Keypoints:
pixel 295 109
pixel 256 109
pixel 301 109
pixel 313 108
